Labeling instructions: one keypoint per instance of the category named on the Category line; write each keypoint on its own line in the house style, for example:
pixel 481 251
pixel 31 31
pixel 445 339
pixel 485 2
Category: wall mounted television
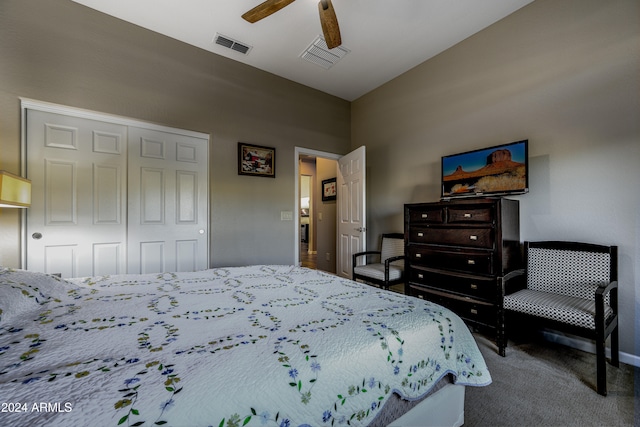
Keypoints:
pixel 493 171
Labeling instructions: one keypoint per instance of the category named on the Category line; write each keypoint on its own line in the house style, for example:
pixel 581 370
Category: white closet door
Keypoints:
pixel 76 225
pixel 168 209
pixel 109 197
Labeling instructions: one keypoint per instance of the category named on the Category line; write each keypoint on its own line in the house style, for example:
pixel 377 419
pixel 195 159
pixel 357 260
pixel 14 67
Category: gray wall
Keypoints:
pixel 61 52
pixel 562 73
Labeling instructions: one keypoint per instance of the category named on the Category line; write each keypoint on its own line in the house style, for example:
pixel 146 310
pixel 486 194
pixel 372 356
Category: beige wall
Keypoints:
pixel 563 73
pixel 61 52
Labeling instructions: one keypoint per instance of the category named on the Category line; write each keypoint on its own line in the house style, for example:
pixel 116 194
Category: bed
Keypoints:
pixel 260 345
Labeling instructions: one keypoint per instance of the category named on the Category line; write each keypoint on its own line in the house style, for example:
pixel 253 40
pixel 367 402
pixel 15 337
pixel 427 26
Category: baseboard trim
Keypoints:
pixel 629 359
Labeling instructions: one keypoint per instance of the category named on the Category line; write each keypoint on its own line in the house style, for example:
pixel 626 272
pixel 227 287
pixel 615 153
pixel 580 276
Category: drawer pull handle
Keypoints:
pixel 474 311
pixel 467 215
pixel 420 234
pixel 471 262
pixel 473 237
pixel 424 215
pixel 420 276
pixel 474 286
pixel 418 255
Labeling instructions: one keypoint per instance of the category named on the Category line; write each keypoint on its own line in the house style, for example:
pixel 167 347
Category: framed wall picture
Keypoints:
pixel 329 190
pixel 256 160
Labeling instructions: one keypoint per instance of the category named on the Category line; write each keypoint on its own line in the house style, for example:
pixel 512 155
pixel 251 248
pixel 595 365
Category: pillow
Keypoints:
pixel 22 290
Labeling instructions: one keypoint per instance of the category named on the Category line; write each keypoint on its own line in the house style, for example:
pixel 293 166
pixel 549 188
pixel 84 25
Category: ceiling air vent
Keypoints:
pixel 319 54
pixel 232 44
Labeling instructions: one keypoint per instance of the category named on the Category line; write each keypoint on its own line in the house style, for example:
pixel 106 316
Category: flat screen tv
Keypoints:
pixel 494 171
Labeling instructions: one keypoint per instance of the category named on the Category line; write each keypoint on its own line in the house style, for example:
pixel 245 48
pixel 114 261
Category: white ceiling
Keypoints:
pixel 385 38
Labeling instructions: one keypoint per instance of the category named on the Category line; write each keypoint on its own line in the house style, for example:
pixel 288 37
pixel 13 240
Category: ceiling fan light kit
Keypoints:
pixel 328 19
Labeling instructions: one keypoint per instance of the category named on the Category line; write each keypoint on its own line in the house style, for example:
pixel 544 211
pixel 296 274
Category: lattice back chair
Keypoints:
pixel 388 268
pixel 573 287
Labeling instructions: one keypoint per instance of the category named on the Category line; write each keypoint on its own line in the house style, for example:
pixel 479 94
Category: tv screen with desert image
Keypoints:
pixel 497 170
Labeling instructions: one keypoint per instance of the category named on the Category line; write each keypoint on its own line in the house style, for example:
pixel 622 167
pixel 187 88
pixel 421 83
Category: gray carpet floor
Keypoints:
pixel 540 383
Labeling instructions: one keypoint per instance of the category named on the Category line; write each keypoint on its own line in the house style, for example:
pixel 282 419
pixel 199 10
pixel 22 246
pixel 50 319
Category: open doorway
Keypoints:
pixel 308 249
pixel 315 221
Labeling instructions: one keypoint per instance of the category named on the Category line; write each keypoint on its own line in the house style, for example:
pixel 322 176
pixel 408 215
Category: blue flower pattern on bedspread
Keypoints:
pixel 260 345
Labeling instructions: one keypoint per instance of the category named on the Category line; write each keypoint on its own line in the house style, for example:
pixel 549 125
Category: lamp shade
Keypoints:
pixel 15 191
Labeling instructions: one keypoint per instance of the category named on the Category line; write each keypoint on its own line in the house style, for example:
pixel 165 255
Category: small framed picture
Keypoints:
pixel 256 160
pixel 329 190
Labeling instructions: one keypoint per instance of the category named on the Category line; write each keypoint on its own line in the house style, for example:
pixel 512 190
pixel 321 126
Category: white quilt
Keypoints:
pixel 260 345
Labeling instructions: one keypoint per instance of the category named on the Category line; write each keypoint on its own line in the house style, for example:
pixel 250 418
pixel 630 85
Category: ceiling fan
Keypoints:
pixel 328 18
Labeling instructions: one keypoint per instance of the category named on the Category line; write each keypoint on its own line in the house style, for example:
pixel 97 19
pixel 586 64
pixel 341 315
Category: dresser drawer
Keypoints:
pixel 427 215
pixel 465 261
pixel 462 214
pixel 474 311
pixel 470 237
pixel 476 287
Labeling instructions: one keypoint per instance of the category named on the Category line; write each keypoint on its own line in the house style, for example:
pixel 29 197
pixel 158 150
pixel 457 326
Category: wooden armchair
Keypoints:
pixel 571 287
pixel 389 268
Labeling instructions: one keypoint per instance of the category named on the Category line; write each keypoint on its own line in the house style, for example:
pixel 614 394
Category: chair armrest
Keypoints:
pixel 601 291
pixel 513 281
pixel 359 254
pixel 392 259
pixel 603 288
pixel 512 274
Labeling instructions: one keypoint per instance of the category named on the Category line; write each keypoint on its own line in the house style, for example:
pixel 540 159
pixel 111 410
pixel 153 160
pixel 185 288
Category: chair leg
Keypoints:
pixel 615 353
pixel 502 349
pixel 601 366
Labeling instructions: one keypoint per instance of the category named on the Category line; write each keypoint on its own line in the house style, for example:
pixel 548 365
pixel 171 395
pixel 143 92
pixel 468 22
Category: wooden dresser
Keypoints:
pixel 458 254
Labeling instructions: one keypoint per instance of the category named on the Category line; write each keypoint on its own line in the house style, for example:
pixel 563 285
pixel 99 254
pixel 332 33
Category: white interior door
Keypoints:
pixel 168 208
pixel 76 225
pixel 351 209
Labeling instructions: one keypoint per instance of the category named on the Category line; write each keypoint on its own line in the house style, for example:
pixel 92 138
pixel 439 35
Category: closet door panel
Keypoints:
pixel 78 171
pixel 168 192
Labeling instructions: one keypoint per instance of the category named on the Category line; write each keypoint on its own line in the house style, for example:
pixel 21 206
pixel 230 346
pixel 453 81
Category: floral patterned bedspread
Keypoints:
pixel 259 345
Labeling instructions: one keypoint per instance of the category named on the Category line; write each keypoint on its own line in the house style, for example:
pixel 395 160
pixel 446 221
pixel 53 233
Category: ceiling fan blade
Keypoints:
pixel 265 9
pixel 329 23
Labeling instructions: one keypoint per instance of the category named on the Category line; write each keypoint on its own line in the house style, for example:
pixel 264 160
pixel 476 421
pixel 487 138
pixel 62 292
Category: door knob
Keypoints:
pixel 36 236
